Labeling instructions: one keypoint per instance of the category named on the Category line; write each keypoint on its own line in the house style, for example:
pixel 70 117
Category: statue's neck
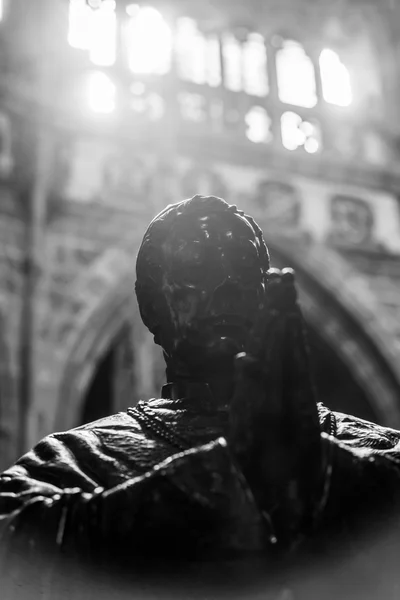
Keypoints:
pixel 220 384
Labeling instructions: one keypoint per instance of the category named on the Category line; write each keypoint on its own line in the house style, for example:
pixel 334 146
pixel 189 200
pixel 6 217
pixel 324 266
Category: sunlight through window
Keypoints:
pixel 79 24
pixel 93 27
pixel 213 62
pixel 198 56
pixel 149 41
pixel 103 30
pixel 190 51
pixel 296 77
pixel 297 133
pixel 258 125
pixel 232 53
pixel 335 78
pixel 255 78
pixel 101 93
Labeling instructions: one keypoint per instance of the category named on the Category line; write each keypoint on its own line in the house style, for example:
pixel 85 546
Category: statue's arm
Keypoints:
pixel 197 498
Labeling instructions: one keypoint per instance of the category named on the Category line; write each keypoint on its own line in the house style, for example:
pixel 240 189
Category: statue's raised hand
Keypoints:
pixel 274 425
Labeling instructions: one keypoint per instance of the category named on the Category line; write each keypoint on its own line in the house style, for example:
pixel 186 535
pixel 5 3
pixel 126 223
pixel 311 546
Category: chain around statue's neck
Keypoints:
pixel 158 427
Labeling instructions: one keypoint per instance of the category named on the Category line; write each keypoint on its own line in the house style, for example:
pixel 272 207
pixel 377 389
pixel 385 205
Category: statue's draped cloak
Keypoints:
pixel 115 495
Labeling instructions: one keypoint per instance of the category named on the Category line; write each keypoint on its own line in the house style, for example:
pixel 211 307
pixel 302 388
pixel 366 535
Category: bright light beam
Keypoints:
pixel 101 92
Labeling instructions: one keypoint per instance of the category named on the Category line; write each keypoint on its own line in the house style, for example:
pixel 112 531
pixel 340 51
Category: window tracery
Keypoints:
pixel 277 75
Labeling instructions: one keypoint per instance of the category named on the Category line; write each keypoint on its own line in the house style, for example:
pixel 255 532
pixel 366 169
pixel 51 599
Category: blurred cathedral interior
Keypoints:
pixel 111 110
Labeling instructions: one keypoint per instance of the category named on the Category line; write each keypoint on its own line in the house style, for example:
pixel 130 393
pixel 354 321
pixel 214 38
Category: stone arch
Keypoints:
pixel 336 300
pixel 105 321
pixel 334 297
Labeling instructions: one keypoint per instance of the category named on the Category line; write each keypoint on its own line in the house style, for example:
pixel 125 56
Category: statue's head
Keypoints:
pixel 201 275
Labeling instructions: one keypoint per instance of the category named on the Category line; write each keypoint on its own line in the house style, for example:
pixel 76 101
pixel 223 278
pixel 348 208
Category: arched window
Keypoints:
pixel 213 61
pixel 258 125
pixel 254 64
pixel 197 55
pixel 245 64
pixel 296 76
pixel 101 93
pixel 148 41
pixel 103 32
pixel 79 24
pixel 94 29
pixel 335 79
pixel 232 53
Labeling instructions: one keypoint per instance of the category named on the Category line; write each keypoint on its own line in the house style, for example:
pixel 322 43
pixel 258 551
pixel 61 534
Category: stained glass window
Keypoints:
pixel 101 92
pixel 296 76
pixel 149 41
pixel 258 125
pixel 197 55
pixel 93 27
pixel 232 53
pixel 335 78
pixel 254 65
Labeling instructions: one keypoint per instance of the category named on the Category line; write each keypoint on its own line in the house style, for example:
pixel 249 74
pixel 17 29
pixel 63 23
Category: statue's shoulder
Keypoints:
pixel 357 432
pixel 124 420
pixel 118 446
pixel 118 421
pixel 123 429
pixel 326 419
pixel 365 434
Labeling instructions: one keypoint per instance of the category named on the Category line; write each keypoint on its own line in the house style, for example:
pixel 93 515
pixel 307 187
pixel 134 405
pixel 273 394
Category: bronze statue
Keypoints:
pixel 236 459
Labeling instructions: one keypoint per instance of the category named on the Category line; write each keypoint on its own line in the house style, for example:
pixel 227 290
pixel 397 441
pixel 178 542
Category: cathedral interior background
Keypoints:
pixel 110 110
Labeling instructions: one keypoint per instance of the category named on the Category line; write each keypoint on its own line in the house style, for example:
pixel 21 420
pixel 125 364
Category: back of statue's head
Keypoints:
pixel 153 259
pixel 201 280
